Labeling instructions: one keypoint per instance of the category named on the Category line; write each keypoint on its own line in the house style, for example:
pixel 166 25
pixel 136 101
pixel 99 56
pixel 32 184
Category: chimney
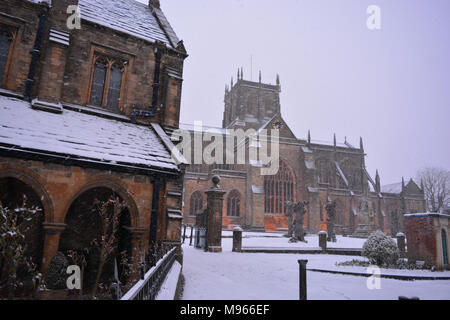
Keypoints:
pixel 154 4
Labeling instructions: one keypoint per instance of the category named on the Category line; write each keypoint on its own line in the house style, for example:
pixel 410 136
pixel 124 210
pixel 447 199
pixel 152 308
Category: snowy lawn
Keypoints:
pixel 249 276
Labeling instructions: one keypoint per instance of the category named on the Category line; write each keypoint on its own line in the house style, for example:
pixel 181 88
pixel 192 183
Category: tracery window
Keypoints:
pixel 6 41
pixel 196 203
pixel 278 189
pixel 106 84
pixel 234 204
pixel 324 171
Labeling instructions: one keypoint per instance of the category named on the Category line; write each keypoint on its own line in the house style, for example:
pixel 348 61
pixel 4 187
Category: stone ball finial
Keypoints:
pixel 216 180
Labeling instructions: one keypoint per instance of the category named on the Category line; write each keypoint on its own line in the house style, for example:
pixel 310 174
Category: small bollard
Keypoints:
pixel 323 240
pixel 192 231
pixel 184 232
pixel 237 239
pixel 302 286
pixel 401 243
pixel 406 298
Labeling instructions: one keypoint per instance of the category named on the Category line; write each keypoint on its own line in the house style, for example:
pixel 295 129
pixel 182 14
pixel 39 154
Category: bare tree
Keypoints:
pixel 436 185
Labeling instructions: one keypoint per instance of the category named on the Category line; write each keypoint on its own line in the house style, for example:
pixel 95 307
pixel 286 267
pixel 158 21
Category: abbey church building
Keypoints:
pixel 311 171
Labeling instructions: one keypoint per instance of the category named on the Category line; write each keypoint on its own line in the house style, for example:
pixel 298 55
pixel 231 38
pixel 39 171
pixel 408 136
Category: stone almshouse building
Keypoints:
pixel 309 170
pixel 82 116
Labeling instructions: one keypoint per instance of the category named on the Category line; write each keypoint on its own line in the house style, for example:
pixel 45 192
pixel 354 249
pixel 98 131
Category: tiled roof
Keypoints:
pixel 81 136
pixel 131 17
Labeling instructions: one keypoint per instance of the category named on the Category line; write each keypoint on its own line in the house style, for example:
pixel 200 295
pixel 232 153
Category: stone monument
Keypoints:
pixel 331 217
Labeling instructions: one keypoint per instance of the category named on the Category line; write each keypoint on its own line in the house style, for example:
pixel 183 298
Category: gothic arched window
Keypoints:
pixel 234 204
pixel 106 82
pixel 278 189
pixel 6 40
pixel 196 203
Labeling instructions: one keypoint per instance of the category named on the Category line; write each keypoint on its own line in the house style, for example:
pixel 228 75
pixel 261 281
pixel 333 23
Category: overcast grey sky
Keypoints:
pixel 390 86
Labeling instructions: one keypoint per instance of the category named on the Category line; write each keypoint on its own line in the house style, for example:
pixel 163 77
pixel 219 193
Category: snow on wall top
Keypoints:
pixel 131 17
pixel 81 135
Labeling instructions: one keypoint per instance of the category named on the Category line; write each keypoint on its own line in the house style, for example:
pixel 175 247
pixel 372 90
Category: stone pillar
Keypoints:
pixel 237 239
pixel 323 240
pixel 214 219
pixel 51 243
pixel 139 248
pixel 401 244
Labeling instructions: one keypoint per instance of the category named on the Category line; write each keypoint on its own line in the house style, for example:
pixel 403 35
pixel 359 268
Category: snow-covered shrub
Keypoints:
pixel 56 276
pixel 14 225
pixel 380 249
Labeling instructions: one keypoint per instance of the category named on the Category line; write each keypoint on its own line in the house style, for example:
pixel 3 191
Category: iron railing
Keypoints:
pixel 148 288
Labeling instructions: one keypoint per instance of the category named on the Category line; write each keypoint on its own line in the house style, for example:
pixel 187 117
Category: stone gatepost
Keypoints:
pixel 214 219
pixel 323 240
pixel 237 239
pixel 401 244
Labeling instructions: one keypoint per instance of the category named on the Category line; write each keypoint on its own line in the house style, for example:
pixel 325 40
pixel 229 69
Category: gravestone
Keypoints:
pixel 290 215
pixel 331 220
pixel 300 211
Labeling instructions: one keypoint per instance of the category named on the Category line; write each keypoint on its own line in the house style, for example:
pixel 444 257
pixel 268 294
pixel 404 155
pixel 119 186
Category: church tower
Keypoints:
pixel 250 104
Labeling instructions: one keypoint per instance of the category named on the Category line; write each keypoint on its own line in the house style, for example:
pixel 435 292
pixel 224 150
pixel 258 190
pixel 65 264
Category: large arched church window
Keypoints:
pixel 234 204
pixel 278 189
pixel 196 203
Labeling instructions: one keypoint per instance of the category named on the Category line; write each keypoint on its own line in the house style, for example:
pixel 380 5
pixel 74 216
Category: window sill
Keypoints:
pixel 96 111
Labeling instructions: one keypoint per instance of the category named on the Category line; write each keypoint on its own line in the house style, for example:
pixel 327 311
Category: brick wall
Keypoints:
pixel 421 239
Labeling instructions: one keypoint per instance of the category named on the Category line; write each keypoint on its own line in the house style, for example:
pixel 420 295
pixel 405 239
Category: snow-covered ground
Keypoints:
pixel 250 276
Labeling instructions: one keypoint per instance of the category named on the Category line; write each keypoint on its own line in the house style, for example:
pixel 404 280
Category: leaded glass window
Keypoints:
pixel 234 204
pixel 98 83
pixel 115 83
pixel 5 46
pixel 278 189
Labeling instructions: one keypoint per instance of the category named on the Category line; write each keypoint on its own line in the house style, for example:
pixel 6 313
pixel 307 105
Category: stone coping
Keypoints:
pixel 403 277
pixel 311 250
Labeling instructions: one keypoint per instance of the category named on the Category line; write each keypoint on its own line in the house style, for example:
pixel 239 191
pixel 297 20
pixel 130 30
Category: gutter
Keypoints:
pixel 35 54
pixel 70 160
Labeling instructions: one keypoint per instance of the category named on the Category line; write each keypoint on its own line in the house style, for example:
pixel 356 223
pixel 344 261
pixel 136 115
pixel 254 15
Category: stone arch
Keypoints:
pixel 84 226
pixel 15 182
pixel 280 188
pixel 107 181
pixel 30 178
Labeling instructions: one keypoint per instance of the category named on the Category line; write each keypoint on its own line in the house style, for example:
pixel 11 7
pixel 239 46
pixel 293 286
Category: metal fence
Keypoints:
pixel 148 288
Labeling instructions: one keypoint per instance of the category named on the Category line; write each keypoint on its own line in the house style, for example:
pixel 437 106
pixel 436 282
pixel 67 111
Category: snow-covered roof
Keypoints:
pixel 131 17
pixel 392 188
pixel 81 136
